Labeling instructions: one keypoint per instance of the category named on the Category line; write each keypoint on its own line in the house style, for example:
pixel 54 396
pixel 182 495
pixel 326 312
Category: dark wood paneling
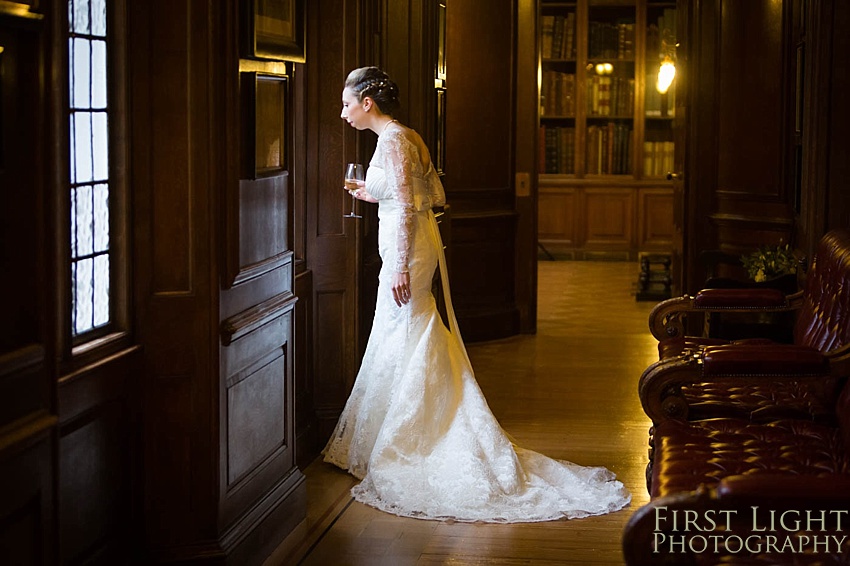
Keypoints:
pixel 479 137
pixel 263 227
pixel 22 152
pixel 334 44
pixel 26 501
pixel 95 484
pixel 655 219
pixel 838 202
pixel 483 250
pixel 27 345
pixel 480 166
pixel 609 220
pixel 557 215
pixel 257 370
pixel 750 106
pixel 527 107
pixel 97 440
pixel 214 292
pixel 257 413
pixel 172 165
pixel 739 131
pixel 306 422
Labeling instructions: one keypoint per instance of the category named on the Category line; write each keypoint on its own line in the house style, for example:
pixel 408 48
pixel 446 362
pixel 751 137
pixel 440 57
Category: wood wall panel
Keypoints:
pixel 479 141
pixel 655 219
pixel 480 166
pixel 94 483
pixel 171 262
pixel 750 110
pixel 838 190
pixel 306 422
pixel 258 473
pixel 334 382
pixel 28 350
pixel 21 155
pixel 483 249
pixel 609 221
pixel 23 383
pixel 27 504
pixel 214 271
pixel 256 416
pixel 262 235
pixel 737 192
pixel 97 461
pixel 591 222
pixel 557 215
pixel 335 40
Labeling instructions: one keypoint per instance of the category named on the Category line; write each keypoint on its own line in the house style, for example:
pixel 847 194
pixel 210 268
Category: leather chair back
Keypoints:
pixel 824 318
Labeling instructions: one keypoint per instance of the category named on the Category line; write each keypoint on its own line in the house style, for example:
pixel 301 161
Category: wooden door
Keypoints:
pixel 27 345
pixel 680 138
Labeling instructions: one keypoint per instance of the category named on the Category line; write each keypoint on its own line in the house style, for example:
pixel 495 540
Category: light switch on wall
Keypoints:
pixel 523 184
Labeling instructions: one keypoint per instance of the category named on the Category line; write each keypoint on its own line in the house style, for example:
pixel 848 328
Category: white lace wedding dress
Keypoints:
pixel 416 429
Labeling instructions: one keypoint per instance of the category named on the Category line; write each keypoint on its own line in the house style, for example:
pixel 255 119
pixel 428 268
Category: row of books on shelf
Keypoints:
pixel 663 28
pixel 610 95
pixel 658 105
pixel 658 157
pixel 559 148
pixel 611 40
pixel 558 36
pixel 606 95
pixel 557 94
pixel 608 149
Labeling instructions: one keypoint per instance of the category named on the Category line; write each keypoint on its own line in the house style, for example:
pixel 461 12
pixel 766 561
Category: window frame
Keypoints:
pixel 80 350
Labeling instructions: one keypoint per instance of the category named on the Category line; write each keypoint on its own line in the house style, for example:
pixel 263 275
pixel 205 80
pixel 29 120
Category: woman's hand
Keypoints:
pixel 401 288
pixel 360 193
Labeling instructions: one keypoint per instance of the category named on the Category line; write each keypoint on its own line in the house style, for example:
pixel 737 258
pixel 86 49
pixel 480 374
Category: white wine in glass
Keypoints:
pixel 353 173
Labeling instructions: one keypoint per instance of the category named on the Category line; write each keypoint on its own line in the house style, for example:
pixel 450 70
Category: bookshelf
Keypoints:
pixel 606 133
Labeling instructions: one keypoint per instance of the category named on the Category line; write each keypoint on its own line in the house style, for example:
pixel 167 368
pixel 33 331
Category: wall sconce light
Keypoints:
pixel 666 73
pixel 667 69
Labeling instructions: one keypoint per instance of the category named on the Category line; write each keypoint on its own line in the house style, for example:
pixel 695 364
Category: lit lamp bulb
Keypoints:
pixel 665 75
pixel 604 68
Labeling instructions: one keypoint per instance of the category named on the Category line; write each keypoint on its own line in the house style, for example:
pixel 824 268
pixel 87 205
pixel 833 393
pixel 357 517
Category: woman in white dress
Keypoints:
pixel 416 429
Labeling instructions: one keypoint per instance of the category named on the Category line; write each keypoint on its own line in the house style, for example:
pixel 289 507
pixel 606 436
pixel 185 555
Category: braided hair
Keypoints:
pixel 377 85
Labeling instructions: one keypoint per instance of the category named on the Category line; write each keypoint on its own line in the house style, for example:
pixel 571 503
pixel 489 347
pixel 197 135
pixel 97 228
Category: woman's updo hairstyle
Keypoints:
pixel 377 85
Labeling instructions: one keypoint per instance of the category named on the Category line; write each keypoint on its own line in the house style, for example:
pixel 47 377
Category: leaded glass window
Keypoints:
pixel 89 161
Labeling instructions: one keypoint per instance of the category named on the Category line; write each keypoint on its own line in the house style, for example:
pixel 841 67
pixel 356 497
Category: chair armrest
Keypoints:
pixel 740 299
pixel 742 360
pixel 791 489
pixel 660 384
pixel 667 318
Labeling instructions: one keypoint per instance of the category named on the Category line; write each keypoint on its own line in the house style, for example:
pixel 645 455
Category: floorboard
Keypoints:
pixel 570 392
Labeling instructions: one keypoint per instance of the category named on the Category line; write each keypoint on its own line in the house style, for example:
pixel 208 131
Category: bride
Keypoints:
pixel 416 429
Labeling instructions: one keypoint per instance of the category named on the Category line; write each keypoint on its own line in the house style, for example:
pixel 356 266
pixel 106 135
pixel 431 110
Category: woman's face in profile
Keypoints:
pixel 352 109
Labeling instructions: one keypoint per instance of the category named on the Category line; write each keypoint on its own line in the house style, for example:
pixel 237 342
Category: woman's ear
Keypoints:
pixel 367 103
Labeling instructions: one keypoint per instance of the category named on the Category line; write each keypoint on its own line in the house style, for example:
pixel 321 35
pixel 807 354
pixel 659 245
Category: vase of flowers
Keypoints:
pixel 770 262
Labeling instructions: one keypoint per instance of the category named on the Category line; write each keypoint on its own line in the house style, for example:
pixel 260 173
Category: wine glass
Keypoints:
pixel 353 173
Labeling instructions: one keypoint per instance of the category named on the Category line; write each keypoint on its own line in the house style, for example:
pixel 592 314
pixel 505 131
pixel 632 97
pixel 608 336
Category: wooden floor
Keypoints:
pixel 570 391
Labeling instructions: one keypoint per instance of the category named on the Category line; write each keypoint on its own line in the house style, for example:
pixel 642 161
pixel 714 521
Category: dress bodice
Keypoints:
pixel 402 185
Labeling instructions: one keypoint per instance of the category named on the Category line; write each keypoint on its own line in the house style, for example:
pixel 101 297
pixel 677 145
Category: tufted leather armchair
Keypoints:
pixel 821 308
pixel 724 467
pixel 758 379
pixel 762 511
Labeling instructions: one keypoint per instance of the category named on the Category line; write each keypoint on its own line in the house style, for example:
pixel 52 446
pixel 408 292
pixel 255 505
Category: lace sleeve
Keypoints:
pixel 400 156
